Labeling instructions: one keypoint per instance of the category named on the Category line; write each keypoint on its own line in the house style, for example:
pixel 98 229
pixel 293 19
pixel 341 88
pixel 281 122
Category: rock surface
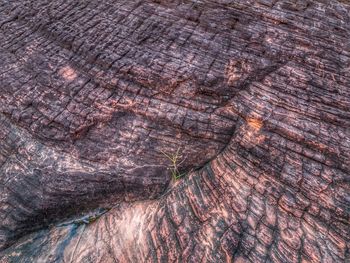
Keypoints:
pixel 255 95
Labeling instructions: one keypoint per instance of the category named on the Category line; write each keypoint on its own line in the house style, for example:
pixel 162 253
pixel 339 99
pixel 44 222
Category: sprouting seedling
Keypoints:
pixel 176 160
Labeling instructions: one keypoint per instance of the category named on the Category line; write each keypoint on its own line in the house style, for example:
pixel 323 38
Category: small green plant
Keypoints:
pixel 176 160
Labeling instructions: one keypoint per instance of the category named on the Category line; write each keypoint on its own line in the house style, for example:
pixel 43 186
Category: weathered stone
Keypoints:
pixel 253 94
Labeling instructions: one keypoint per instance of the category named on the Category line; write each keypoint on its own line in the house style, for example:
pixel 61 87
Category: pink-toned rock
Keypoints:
pixel 253 95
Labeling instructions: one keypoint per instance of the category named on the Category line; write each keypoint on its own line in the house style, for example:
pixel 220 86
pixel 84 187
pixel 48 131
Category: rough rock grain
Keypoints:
pixel 254 94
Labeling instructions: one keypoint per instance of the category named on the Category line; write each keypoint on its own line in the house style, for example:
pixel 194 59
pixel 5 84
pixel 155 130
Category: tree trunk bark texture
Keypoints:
pixel 254 96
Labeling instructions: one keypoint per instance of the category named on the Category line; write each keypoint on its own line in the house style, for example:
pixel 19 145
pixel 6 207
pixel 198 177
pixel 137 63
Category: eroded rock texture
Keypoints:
pixel 254 94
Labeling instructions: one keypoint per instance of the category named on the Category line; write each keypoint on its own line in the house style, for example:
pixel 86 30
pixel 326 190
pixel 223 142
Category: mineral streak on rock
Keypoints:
pixel 255 94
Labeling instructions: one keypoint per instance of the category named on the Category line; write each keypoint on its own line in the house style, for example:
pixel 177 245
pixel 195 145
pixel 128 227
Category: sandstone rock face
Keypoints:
pixel 253 94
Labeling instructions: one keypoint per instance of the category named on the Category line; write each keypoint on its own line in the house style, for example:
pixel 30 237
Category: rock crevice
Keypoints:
pixel 255 94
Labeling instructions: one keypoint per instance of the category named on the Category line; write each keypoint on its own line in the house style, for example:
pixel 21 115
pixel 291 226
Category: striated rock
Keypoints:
pixel 253 94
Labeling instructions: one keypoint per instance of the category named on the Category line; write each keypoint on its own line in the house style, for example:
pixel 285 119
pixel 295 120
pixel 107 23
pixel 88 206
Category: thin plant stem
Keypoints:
pixel 175 163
